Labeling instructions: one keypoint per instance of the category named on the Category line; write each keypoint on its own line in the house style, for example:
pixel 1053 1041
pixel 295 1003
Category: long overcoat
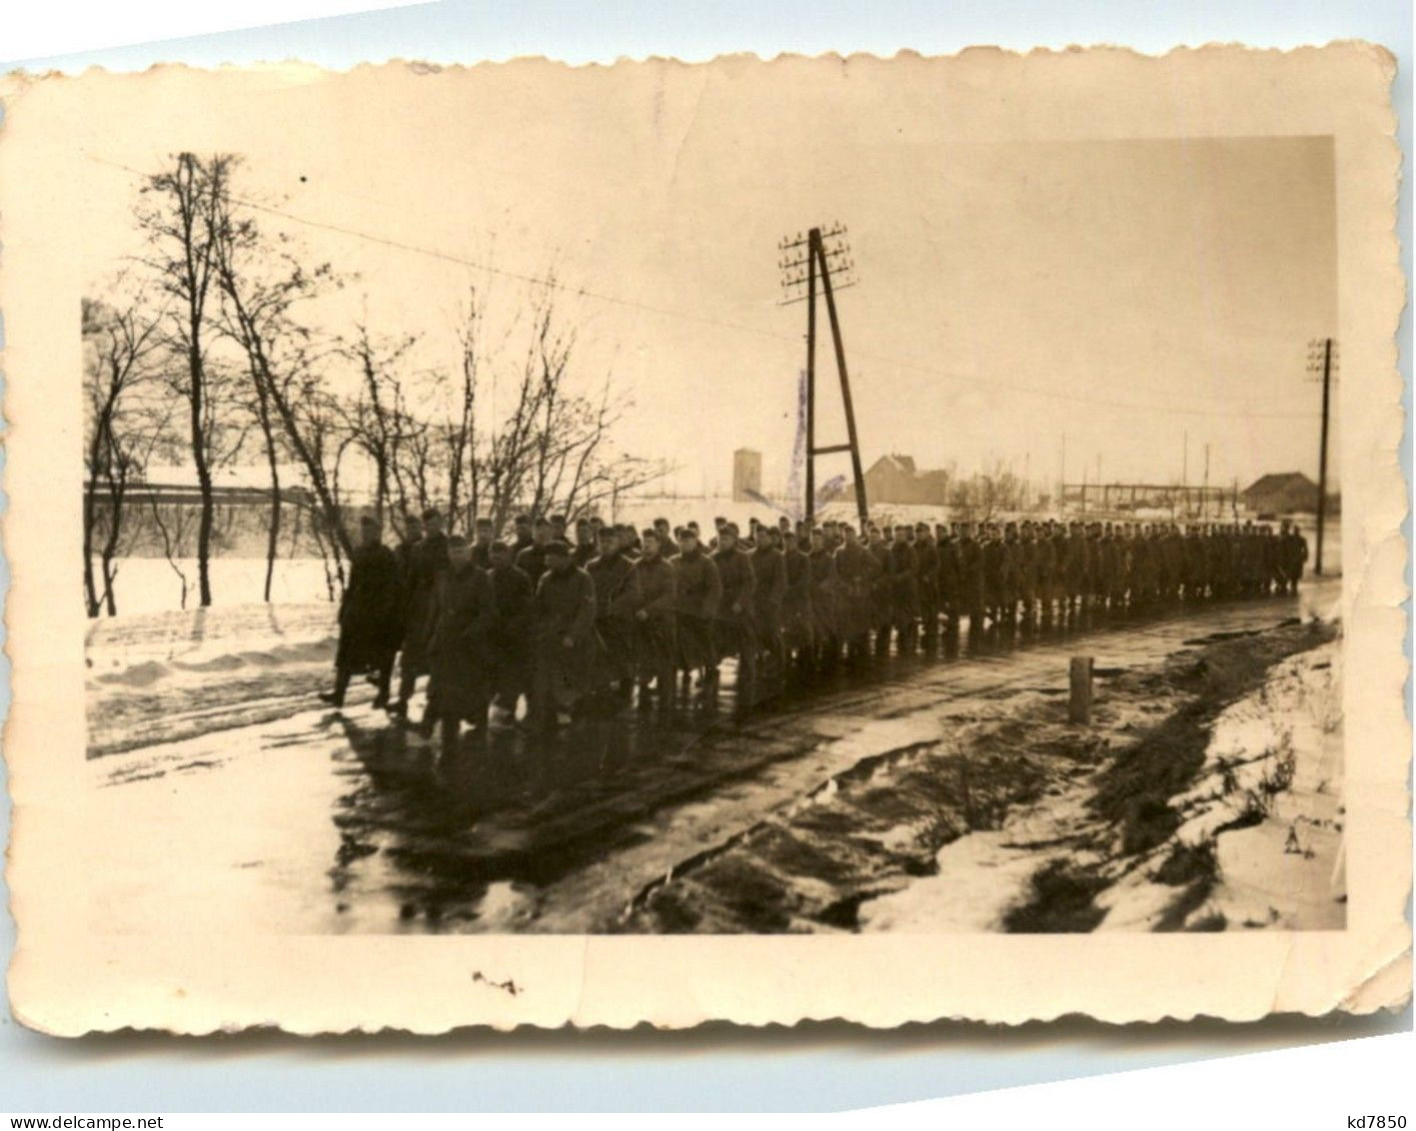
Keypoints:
pixel 698 592
pixel 371 611
pixel 459 644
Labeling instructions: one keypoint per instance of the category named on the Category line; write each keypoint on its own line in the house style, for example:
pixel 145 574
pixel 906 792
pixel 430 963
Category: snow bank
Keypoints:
pixel 161 676
pixel 1265 813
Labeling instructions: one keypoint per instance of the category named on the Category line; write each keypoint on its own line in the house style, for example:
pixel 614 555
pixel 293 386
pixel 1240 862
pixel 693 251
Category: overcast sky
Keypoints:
pixel 1123 293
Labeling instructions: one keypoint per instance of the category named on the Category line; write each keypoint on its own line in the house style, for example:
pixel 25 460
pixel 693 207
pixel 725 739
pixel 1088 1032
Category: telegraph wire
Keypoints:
pixel 722 324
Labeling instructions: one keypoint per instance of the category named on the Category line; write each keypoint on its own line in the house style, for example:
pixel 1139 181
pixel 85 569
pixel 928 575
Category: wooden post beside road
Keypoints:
pixel 1079 705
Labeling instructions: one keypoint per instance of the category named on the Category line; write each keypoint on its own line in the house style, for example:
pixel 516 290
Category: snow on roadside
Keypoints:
pixel 1266 811
pixel 161 676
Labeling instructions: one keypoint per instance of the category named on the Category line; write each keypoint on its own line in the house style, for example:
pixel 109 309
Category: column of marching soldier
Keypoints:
pixel 584 624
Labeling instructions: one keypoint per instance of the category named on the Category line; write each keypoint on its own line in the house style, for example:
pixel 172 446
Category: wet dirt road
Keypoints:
pixel 327 822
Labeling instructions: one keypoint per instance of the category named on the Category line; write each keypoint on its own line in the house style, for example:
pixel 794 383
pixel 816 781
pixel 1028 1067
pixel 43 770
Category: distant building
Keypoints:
pixel 896 479
pixel 1286 492
pixel 747 475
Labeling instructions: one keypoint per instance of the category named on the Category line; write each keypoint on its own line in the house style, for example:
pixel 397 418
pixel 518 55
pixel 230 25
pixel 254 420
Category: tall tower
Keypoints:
pixel 747 475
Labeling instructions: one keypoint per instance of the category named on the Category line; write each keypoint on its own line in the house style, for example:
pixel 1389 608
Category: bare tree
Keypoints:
pixel 549 448
pixel 985 494
pixel 459 431
pixel 261 287
pixel 119 343
pixel 377 419
pixel 177 210
pixel 174 531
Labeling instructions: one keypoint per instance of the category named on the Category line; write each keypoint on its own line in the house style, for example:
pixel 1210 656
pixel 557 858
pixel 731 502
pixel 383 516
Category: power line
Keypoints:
pixel 722 324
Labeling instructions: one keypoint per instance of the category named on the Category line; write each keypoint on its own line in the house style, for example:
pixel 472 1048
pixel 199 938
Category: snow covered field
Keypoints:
pixel 160 676
pixel 150 585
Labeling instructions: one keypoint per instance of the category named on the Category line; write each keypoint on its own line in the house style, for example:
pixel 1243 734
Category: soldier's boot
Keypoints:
pixel 385 677
pixel 335 698
pixel 407 683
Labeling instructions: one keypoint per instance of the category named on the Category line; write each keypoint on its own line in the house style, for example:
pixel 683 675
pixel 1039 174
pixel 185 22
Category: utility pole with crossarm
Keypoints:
pixel 804 260
pixel 1322 359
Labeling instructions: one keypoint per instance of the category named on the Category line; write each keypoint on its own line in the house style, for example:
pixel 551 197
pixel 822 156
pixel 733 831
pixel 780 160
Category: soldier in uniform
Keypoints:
pixel 369 616
pixel 509 635
pixel 1175 561
pixel 995 568
pixel 565 638
pixel 1081 560
pixel 698 591
pixel 531 560
pixel 856 572
pixel 1217 551
pixel 881 594
pixel 587 544
pixel 1196 565
pixel 902 569
pixel 523 534
pixel 459 645
pixel 734 629
pixel 428 560
pixel 1045 555
pixel 798 637
pixel 1273 562
pixel 667 546
pixel 1095 566
pixel 649 601
pixel 825 629
pixel 770 586
pixel 407 550
pixel 1108 555
pixel 610 571
pixel 1141 568
pixel 927 584
pixel 483 534
pixel 407 557
pixel 718 523
pixel 972 585
pixel 1294 555
pixel 947 577
pixel 1026 573
pixel 1061 567
pixel 1124 547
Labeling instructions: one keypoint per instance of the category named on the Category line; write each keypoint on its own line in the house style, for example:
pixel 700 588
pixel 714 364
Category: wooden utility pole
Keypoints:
pixel 1204 495
pixel 810 509
pixel 819 261
pixel 1322 454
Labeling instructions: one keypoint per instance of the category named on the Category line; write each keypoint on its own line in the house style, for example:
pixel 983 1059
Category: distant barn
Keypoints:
pixel 1287 492
pixel 896 479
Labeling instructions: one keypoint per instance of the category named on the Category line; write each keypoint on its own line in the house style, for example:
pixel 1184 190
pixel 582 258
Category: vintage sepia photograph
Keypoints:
pixel 743 500
pixel 453 575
